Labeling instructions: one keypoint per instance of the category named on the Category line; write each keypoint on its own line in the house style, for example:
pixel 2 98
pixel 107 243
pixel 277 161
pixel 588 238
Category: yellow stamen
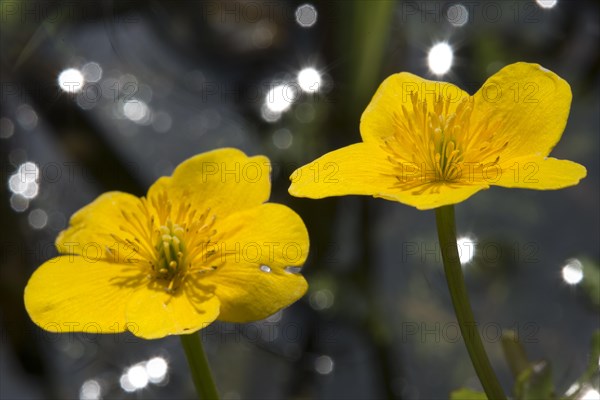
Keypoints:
pixel 434 141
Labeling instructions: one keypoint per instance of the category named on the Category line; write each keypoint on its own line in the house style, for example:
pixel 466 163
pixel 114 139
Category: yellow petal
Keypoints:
pixel 69 293
pixel 255 248
pixel 537 173
pixel 153 313
pixel 249 293
pixel 361 168
pixel 526 105
pixel 162 185
pixel 433 195
pixel 378 121
pixel 222 180
pixel 270 234
pixel 364 169
pixel 91 228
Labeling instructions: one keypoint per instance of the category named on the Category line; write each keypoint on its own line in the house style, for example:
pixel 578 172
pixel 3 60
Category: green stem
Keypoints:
pixel 201 375
pixel 462 307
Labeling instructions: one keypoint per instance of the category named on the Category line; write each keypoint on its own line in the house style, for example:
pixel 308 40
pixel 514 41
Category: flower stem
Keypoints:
pixel 201 375
pixel 462 307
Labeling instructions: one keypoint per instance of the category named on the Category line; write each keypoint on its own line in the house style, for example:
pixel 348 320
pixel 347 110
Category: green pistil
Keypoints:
pixel 171 253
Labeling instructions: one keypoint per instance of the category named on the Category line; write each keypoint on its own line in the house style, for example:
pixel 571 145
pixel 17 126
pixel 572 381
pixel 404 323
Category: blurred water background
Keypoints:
pixel 110 95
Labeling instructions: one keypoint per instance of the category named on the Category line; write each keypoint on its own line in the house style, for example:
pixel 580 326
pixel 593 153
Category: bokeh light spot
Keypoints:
pixel 572 272
pixel 440 58
pixel 161 122
pixel 324 365
pixel 92 72
pixel 546 3
pixel 18 203
pixel 24 181
pixel 27 117
pixel 71 80
pixel 309 80
pixel 156 369
pixel 282 138
pixel 7 128
pixel 37 218
pixel 321 299
pixel 457 15
pixel 136 110
pixel 590 394
pixel 466 249
pixel 90 390
pixel 306 15
pixel 137 376
pixel 281 97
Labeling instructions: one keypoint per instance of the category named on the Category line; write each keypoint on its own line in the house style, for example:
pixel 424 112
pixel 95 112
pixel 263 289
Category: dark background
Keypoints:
pixel 182 77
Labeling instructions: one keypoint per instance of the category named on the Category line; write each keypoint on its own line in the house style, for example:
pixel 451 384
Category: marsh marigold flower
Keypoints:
pixel 429 144
pixel 202 245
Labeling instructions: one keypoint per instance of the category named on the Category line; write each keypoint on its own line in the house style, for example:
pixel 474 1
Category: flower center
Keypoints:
pixel 181 249
pixel 436 142
pixel 171 252
pixel 445 132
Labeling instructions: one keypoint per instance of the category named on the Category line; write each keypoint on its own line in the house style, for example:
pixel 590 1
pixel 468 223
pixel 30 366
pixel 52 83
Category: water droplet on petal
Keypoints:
pixel 265 268
pixel 293 269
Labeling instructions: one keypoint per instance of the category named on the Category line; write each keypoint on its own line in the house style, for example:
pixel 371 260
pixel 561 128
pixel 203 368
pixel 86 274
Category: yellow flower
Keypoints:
pixel 202 245
pixel 429 144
